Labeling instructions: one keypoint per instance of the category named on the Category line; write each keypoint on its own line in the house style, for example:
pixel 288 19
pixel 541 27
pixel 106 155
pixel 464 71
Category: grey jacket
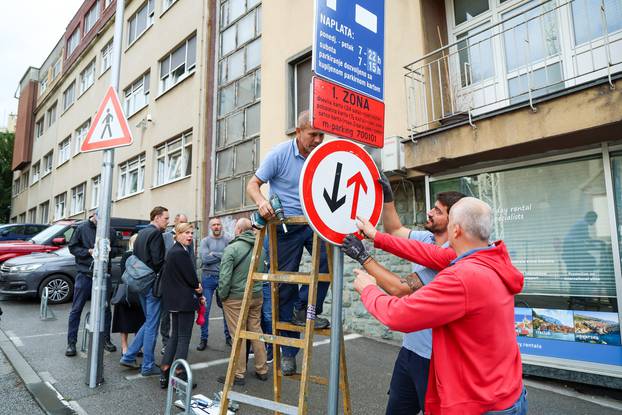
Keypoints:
pixel 210 251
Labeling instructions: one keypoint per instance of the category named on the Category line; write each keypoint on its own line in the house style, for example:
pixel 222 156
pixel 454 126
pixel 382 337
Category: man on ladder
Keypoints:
pixel 282 168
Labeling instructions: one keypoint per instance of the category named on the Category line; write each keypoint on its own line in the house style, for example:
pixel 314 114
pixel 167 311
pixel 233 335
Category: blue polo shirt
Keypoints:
pixel 281 169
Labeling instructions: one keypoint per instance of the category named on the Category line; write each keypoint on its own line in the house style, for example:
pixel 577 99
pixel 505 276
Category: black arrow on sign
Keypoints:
pixel 332 202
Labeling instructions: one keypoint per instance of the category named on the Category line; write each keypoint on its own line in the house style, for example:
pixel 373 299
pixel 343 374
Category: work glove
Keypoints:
pixel 386 188
pixel 354 248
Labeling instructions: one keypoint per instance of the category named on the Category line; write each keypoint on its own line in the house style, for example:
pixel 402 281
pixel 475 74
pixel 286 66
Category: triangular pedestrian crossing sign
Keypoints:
pixel 109 128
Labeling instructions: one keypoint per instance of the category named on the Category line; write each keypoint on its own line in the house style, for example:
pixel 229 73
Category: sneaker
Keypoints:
pixel 162 350
pixel 299 317
pixel 109 347
pixel 154 371
pixel 202 345
pixel 129 363
pixel 261 376
pixel 228 341
pixel 288 365
pixel 269 354
pixel 236 380
pixel 321 323
pixel 71 350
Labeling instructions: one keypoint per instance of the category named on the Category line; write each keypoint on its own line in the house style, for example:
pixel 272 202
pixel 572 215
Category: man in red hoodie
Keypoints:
pixel 476 365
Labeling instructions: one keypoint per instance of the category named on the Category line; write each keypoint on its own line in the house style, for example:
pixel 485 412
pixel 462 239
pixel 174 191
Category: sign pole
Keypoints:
pixel 102 242
pixel 336 332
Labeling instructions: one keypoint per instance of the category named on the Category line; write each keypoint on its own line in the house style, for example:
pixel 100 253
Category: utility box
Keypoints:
pixel 393 154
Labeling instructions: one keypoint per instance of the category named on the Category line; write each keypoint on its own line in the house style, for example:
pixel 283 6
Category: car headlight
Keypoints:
pixel 24 268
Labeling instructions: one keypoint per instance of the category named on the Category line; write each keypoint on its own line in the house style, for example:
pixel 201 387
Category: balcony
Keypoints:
pixel 519 54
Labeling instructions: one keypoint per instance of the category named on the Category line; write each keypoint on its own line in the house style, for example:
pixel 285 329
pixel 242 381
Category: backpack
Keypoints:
pixel 138 276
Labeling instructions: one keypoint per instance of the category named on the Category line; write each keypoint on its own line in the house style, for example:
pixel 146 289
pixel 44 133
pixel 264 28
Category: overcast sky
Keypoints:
pixel 29 29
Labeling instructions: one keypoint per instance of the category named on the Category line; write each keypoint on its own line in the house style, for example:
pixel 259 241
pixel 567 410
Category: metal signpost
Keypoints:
pixel 108 130
pixel 339 181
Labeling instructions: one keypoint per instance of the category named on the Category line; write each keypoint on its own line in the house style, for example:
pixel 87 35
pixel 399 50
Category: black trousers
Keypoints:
pixel 178 343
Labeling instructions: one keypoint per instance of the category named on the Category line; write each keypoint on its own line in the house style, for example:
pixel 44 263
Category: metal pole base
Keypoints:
pixel 100 360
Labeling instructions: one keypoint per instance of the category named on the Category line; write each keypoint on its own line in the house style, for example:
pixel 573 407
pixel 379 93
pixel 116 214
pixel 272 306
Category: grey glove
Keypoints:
pixel 386 188
pixel 354 248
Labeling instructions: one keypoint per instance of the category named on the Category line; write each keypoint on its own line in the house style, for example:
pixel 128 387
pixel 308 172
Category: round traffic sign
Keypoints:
pixel 339 182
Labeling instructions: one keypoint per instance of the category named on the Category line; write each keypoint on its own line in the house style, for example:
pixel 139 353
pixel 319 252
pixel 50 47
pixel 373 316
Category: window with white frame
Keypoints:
pixel 23 180
pixel 177 65
pixel 59 205
pixel 43 85
pixel 39 127
pixel 21 218
pixel 79 136
pixel 87 77
pixel 32 215
pixel 73 41
pixel 136 96
pixel 51 114
pixel 56 69
pixel 140 21
pixel 106 57
pixel 90 18
pixel 44 212
pixel 167 3
pixel 95 186
pixel 131 176
pixel 35 172
pixel 64 150
pixel 15 188
pixel 69 95
pixel 173 159
pixel 48 161
pixel 107 3
pixel 77 199
pixel 239 107
pixel 300 74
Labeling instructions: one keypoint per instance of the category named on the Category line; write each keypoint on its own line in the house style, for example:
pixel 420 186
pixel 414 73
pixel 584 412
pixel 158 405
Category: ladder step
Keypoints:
pixel 292 327
pixel 263 403
pixel 289 278
pixel 318 380
pixel 270 338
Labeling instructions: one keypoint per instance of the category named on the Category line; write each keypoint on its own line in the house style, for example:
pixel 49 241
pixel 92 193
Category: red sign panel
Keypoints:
pixel 348 114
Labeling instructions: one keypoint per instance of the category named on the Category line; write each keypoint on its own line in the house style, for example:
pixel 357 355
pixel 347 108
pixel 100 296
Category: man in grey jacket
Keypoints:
pixel 210 251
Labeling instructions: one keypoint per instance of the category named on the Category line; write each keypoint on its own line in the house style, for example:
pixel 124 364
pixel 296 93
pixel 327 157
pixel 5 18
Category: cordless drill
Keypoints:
pixel 259 222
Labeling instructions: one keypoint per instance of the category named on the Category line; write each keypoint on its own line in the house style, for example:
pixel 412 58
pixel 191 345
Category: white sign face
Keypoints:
pixel 339 182
pixel 109 127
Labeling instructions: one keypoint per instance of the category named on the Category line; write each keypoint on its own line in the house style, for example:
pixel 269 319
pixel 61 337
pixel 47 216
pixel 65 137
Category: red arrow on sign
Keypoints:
pixel 358 182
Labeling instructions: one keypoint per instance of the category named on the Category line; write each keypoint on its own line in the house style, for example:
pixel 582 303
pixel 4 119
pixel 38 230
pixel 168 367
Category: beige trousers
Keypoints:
pixel 232 309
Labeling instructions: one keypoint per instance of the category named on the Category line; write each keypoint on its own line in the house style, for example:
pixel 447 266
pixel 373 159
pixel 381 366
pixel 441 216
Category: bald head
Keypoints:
pixel 474 217
pixel 180 218
pixel 242 225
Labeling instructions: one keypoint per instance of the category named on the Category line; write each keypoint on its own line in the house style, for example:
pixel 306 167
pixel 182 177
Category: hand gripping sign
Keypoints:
pixel 339 182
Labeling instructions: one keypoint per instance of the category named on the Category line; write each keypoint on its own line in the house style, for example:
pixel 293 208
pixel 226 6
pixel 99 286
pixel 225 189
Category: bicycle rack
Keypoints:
pixel 44 312
pixel 179 387
pixel 86 327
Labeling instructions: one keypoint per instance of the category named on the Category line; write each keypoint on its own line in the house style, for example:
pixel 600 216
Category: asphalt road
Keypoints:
pixel 370 363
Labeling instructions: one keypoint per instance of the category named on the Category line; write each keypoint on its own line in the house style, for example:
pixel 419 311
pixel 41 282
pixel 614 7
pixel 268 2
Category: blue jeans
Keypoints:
pixel 266 314
pixel 145 339
pixel 210 283
pixel 520 407
pixel 409 383
pixel 81 294
pixel 290 246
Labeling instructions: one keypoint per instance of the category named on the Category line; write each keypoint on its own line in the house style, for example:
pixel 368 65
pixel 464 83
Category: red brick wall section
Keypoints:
pixel 22 148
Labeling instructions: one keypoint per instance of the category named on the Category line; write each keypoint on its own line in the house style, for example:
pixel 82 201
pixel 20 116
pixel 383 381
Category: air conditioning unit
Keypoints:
pixel 392 154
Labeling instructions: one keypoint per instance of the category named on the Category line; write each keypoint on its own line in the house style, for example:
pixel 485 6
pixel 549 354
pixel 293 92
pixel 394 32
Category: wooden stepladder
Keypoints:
pixel 305 343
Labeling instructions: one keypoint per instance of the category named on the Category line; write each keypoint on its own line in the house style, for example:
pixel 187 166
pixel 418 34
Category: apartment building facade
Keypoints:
pixel 519 103
pixel 163 98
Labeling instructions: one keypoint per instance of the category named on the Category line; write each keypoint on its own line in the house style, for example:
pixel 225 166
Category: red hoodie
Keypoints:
pixel 476 364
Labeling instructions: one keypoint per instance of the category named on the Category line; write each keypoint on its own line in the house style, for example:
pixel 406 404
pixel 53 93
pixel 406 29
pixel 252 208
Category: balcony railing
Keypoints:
pixel 533 51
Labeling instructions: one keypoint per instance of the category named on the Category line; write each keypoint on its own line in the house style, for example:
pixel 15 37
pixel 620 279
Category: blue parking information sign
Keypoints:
pixel 349 44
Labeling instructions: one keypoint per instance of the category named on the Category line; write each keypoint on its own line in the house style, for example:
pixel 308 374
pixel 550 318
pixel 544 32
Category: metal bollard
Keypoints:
pixel 180 387
pixel 85 332
pixel 44 312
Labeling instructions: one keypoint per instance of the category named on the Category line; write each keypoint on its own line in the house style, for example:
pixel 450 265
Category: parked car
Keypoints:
pixel 58 235
pixel 20 232
pixel 28 275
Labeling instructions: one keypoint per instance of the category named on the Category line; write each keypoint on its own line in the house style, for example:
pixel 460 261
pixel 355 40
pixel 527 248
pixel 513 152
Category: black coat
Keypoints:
pixel 149 247
pixel 179 281
pixel 83 239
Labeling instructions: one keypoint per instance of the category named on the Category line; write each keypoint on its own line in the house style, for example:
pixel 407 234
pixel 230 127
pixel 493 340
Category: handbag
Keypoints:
pixel 157 284
pixel 201 316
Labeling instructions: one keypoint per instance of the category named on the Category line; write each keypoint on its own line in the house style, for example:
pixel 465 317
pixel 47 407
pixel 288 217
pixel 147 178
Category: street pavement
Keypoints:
pixel 370 363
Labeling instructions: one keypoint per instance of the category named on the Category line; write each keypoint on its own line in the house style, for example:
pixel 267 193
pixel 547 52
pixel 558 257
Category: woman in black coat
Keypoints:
pixel 181 291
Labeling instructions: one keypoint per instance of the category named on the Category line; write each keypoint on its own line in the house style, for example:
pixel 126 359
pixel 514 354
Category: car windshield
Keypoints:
pixel 46 234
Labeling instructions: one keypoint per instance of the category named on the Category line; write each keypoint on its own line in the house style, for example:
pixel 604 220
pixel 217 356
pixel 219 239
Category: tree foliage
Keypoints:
pixel 6 175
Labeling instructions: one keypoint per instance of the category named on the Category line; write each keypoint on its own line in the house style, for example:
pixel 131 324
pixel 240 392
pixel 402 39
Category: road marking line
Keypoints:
pixel 16 340
pixel 32 336
pixel 47 377
pixel 205 365
pixel 606 402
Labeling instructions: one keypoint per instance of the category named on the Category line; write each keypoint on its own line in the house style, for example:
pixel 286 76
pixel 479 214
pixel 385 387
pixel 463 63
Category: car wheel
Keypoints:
pixel 60 288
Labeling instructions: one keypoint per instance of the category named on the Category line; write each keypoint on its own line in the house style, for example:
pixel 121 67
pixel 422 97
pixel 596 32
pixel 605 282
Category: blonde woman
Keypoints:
pixel 181 293
pixel 128 314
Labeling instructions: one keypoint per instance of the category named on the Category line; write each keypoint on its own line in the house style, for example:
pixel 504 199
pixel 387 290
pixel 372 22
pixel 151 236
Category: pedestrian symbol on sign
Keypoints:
pixel 107 120
pixel 109 128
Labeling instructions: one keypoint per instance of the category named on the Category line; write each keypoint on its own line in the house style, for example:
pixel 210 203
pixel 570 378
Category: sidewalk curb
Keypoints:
pixel 604 402
pixel 48 398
